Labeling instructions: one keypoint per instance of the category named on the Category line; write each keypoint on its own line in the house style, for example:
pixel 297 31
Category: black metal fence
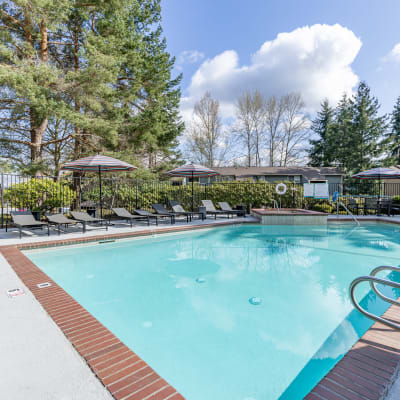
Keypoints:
pixel 49 194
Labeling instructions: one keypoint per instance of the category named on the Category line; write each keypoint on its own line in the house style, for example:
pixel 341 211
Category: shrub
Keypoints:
pixel 39 195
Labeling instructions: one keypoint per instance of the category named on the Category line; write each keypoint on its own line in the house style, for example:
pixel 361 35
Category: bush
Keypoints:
pixel 39 195
pixel 141 194
pixel 396 199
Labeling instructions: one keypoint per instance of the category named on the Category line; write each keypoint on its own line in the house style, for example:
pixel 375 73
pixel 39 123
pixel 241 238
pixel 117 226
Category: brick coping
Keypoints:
pixel 366 372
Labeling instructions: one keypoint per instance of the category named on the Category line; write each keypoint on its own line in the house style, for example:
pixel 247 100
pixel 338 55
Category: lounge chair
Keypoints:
pixel 145 213
pixel 385 205
pixel 177 207
pixel 210 209
pixel 25 220
pixel 371 204
pixel 85 219
pixel 353 206
pixel 224 206
pixel 123 213
pixel 59 219
pixel 161 210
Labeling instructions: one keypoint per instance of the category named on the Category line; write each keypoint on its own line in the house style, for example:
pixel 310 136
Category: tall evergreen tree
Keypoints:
pixel 29 81
pixel 101 67
pixel 394 134
pixel 367 130
pixel 322 153
pixel 342 134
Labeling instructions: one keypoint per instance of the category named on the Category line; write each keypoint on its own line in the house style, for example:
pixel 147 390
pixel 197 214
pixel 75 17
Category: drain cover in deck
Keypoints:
pixel 43 285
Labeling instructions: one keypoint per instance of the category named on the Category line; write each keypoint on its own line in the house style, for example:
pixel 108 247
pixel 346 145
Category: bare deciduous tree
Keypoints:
pixel 250 125
pixel 274 112
pixel 205 139
pixel 295 124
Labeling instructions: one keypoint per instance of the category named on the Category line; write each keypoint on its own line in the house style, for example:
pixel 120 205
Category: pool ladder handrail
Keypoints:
pixel 348 212
pixel 373 280
pixel 276 205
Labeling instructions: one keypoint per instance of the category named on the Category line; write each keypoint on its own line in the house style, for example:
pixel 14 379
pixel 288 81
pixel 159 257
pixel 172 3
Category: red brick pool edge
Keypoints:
pixel 366 372
pixel 121 371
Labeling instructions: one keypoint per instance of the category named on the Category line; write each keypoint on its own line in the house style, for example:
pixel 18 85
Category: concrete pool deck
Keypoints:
pixel 373 363
pixel 37 360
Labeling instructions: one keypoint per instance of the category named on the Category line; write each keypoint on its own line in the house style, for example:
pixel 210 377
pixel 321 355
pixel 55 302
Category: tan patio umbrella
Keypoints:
pixel 192 171
pixel 98 164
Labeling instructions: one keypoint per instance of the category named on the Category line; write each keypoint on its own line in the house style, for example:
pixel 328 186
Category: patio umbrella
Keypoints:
pixel 378 173
pixel 192 171
pixel 98 164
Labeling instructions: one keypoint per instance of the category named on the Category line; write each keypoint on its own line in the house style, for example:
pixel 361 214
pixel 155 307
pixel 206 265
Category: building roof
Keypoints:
pixel 310 173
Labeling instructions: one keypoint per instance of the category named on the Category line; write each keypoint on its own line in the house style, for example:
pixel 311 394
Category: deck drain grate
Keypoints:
pixel 43 285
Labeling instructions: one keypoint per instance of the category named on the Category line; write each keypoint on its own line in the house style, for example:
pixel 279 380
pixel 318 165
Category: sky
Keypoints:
pixel 321 48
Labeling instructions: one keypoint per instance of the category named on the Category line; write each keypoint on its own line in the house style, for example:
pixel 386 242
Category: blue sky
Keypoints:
pixel 368 30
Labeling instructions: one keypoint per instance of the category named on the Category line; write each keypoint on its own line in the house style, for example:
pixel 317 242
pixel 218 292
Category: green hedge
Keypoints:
pixel 39 195
pixel 45 194
pixel 143 194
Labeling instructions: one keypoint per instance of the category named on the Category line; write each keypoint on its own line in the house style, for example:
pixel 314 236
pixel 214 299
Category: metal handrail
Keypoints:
pixel 375 289
pixel 373 280
pixel 276 205
pixel 349 212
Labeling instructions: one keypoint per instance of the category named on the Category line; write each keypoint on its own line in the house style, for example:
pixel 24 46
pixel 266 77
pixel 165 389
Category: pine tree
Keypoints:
pixel 367 129
pixel 100 67
pixel 341 138
pixel 322 153
pixel 394 134
pixel 30 81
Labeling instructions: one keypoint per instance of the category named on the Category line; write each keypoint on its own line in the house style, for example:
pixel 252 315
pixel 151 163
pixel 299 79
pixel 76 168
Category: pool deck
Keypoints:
pixel 54 348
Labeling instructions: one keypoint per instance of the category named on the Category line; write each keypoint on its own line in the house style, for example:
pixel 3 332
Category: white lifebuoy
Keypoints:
pixel 281 188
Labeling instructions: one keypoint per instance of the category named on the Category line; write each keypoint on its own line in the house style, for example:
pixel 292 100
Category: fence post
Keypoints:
pixel 80 191
pixel 136 190
pixel 2 200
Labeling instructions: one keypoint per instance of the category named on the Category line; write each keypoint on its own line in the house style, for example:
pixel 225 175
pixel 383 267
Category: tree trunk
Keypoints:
pixel 38 124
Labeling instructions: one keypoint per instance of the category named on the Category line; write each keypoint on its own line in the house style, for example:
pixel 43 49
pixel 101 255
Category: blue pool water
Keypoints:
pixel 182 302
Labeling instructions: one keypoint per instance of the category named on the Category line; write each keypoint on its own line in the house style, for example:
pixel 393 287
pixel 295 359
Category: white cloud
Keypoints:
pixel 189 57
pixel 313 60
pixel 393 55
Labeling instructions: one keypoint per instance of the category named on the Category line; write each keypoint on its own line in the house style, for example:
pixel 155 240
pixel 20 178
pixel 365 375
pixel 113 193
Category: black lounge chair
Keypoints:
pixel 224 206
pixel 210 209
pixel 123 213
pixel 177 207
pixel 59 220
pixel 161 210
pixel 385 206
pixel 145 213
pixel 85 219
pixel 353 206
pixel 371 204
pixel 25 220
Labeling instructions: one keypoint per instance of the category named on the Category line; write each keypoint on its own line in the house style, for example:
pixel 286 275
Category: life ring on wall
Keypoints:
pixel 281 188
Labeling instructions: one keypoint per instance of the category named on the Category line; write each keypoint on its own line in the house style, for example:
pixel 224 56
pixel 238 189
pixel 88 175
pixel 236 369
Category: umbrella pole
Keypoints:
pixel 101 204
pixel 192 194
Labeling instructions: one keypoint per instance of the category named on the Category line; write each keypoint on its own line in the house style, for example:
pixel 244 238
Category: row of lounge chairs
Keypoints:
pixel 25 219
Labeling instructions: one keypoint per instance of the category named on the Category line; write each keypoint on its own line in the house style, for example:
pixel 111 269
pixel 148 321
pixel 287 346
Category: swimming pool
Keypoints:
pixel 182 302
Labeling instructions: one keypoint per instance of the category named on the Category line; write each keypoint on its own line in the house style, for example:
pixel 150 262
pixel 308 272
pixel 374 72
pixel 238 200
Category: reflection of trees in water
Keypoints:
pixel 299 253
